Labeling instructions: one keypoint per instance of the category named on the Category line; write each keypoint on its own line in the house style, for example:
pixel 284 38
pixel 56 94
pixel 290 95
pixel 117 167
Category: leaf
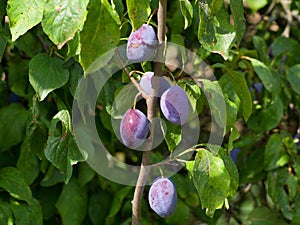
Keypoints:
pixel 138 13
pixel 5 213
pixel 211 180
pixel 215 34
pixel 62 19
pixel 265 75
pixel 216 100
pixel 23 15
pixel 240 86
pixel 27 214
pixel 264 216
pixel 28 163
pixel 47 74
pixel 293 76
pixel 117 203
pixel 269 117
pixel 72 203
pixel 237 10
pixel 13 124
pixel 180 215
pixel 47 198
pixel 102 24
pixel 99 205
pixel 275 154
pixel 255 5
pixel 277 184
pixel 262 49
pixel 186 8
pixel 172 134
pixel 193 92
pixel 12 180
pixel 62 150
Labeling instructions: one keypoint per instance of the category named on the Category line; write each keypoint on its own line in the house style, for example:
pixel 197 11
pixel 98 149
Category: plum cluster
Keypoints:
pixel 174 105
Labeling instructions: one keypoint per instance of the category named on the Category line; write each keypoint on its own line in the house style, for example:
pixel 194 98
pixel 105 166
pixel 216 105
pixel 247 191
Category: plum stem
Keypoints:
pixel 151 108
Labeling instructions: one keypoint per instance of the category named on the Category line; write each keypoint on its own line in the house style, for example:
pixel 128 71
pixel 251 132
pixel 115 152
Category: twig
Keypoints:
pixel 151 108
pixel 133 81
pixel 286 5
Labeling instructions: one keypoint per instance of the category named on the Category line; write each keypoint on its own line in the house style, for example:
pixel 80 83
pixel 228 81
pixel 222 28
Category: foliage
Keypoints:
pixel 252 177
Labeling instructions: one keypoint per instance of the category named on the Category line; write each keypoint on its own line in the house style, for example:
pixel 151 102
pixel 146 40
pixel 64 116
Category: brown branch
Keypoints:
pixel 151 108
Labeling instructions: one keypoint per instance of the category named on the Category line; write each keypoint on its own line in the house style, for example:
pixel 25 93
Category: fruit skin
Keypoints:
pixel 174 105
pixel 163 197
pixel 142 43
pixel 134 128
pixel 147 81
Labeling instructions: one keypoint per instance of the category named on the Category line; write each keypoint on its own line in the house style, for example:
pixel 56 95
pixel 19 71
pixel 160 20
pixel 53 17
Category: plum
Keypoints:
pixel 134 128
pixel 163 197
pixel 174 105
pixel 142 43
pixel 147 82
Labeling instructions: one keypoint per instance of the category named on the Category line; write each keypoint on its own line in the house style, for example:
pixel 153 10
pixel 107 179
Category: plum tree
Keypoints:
pixel 141 45
pixel 147 82
pixel 163 197
pixel 174 105
pixel 134 128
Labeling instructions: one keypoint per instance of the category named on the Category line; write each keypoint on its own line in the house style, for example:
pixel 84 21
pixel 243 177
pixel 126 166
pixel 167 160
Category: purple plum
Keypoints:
pixel 147 82
pixel 134 128
pixel 174 105
pixel 142 43
pixel 163 197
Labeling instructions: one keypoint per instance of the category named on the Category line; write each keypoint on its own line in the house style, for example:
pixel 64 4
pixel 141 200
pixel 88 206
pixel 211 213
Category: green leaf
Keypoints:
pixel 47 198
pixel 269 117
pixel 216 100
pixel 180 215
pixel 138 13
pixel 172 135
pixel 102 24
pixel 255 5
pixel 117 203
pixel 47 74
pixel 18 76
pixel 262 49
pixel 52 177
pixel 28 163
pixel 30 44
pixel 193 92
pixel 277 183
pixel 86 173
pixel 12 180
pixel 265 75
pixel 237 10
pixel 62 150
pixel 13 124
pixel 62 19
pixel 216 34
pixel 240 86
pixel 211 180
pixel 264 216
pixel 72 203
pixel 99 205
pixel 5 213
pixel 23 15
pixel 27 214
pixel 293 76
pixel 186 8
pixel 3 42
pixel 232 170
pixel 275 154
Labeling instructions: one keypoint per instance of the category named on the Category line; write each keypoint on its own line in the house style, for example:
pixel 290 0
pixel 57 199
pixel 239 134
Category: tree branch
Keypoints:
pixel 151 108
